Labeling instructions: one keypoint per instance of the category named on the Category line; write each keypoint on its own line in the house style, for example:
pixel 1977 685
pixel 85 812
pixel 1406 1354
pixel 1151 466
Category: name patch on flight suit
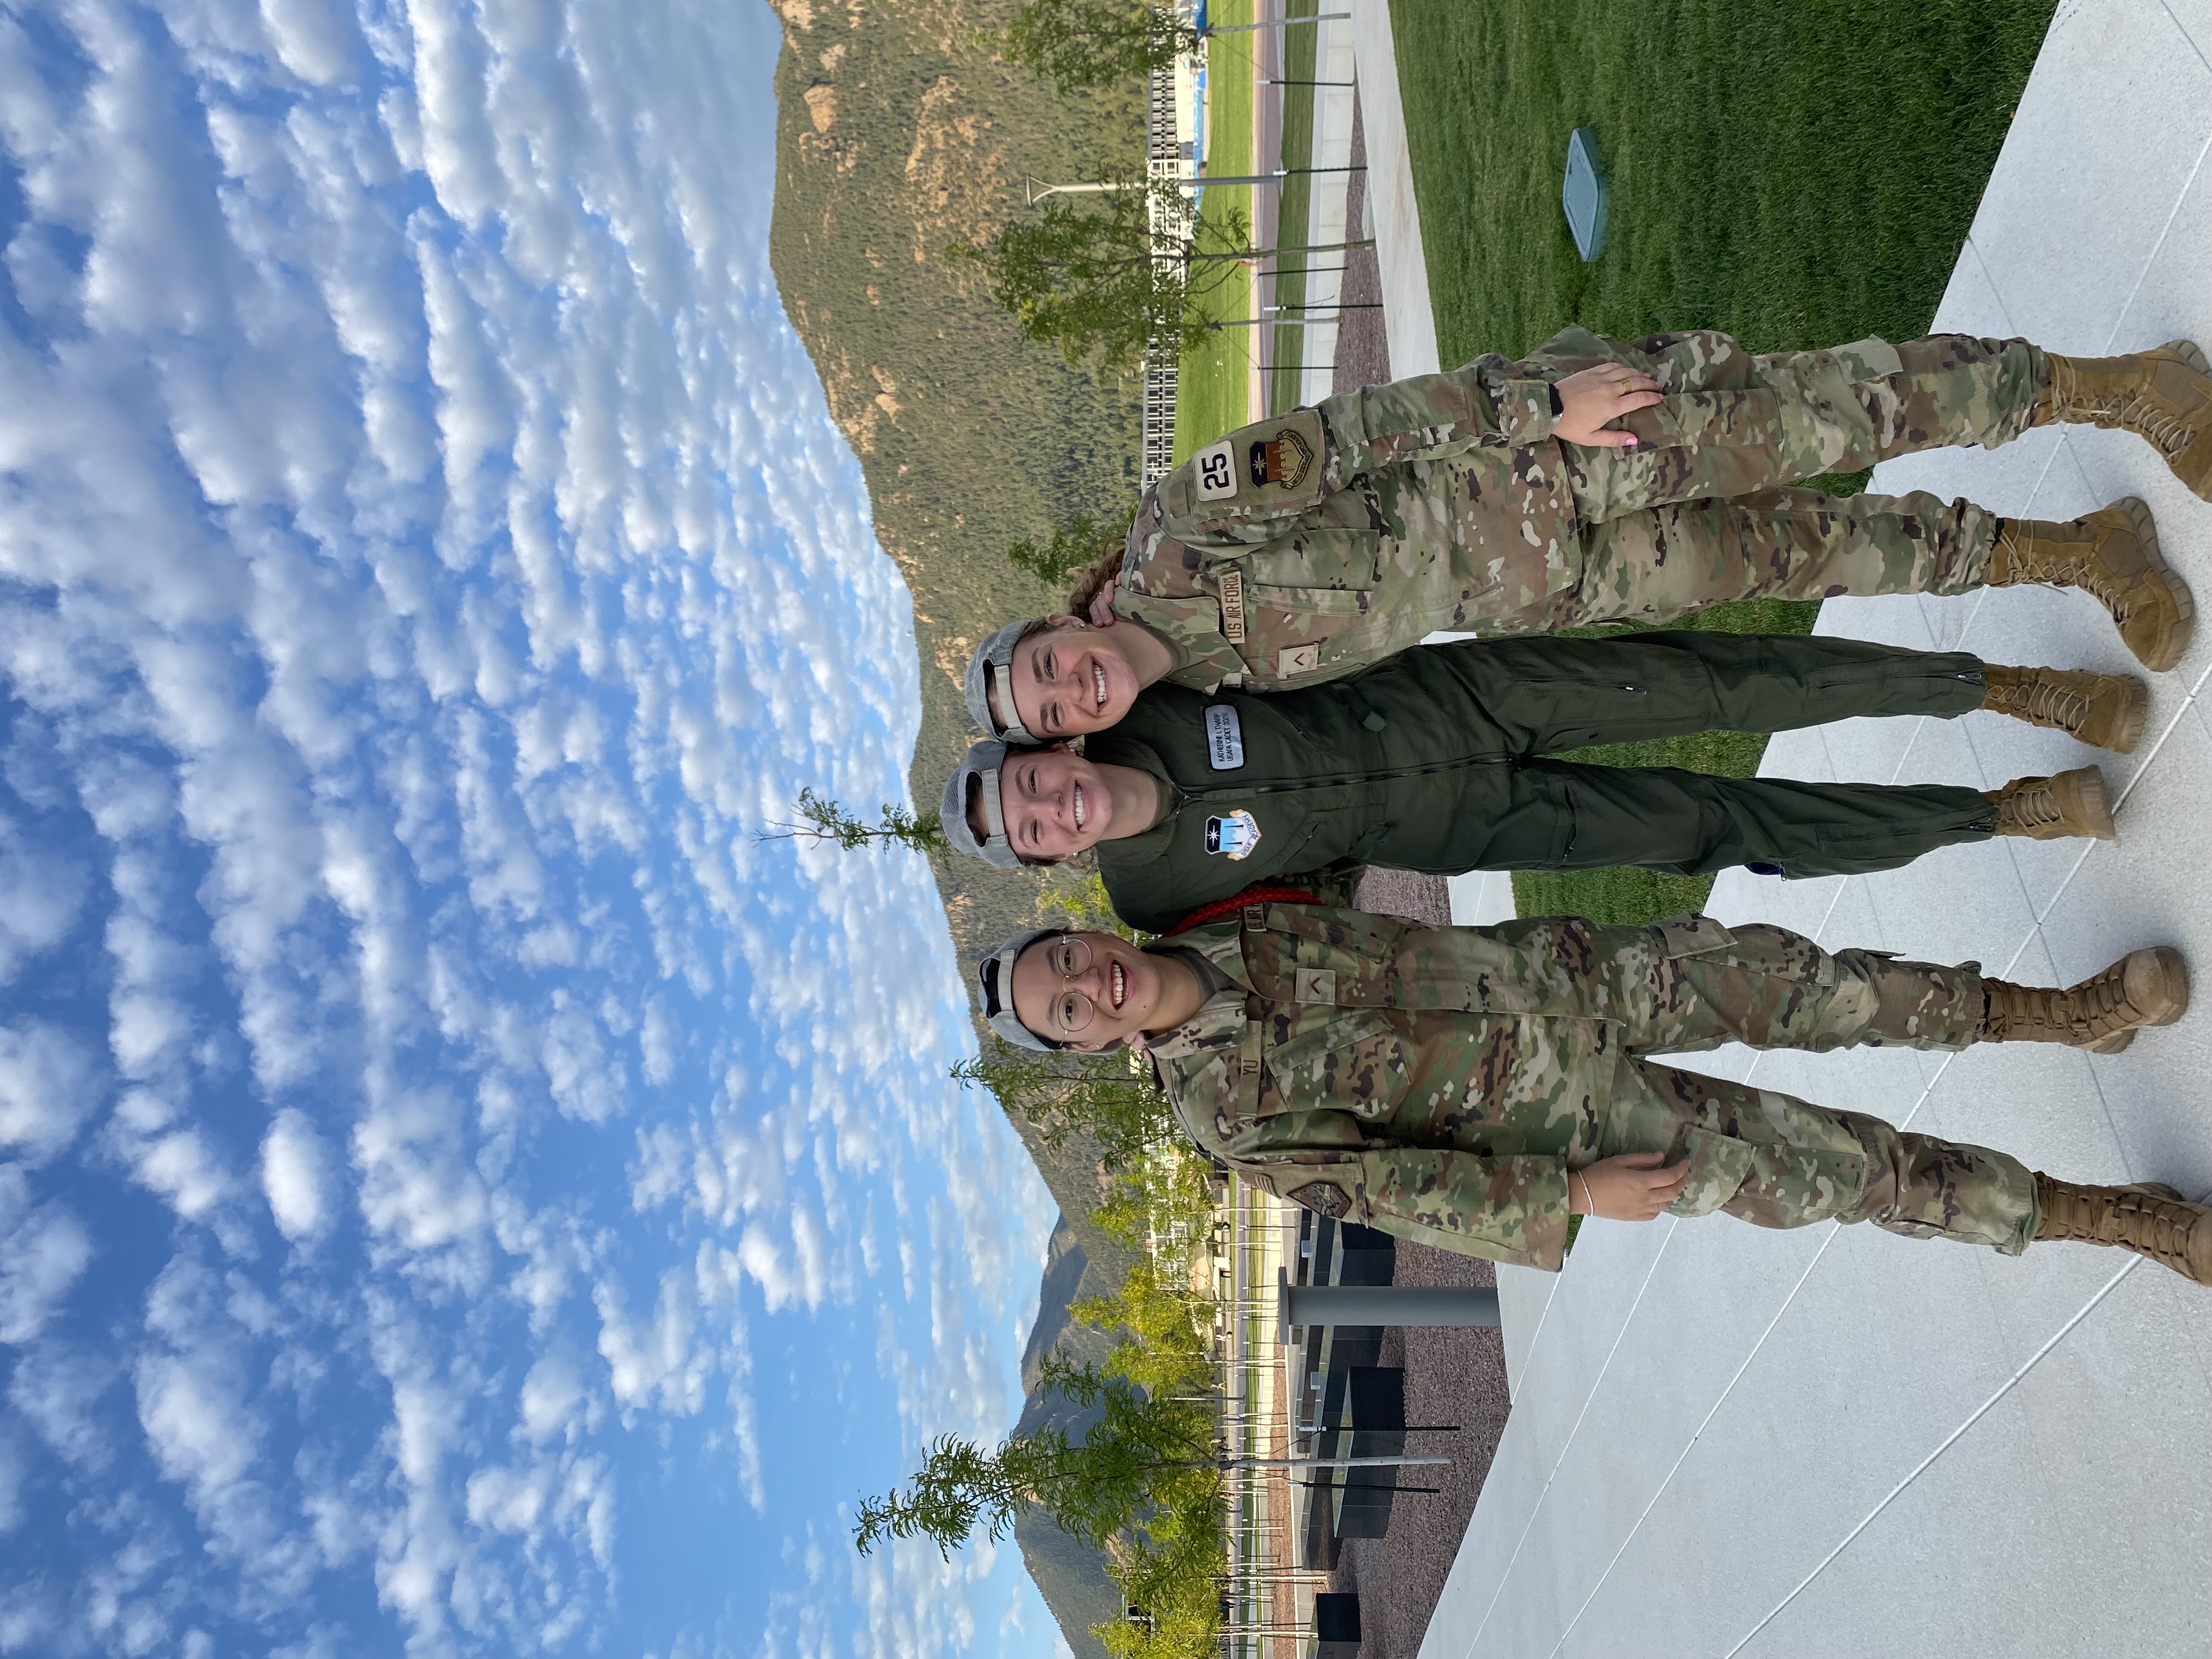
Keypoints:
pixel 1224 737
pixel 1215 469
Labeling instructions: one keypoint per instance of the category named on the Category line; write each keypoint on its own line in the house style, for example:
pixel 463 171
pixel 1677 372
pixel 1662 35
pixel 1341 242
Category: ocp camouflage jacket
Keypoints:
pixel 1436 1083
pixel 1300 547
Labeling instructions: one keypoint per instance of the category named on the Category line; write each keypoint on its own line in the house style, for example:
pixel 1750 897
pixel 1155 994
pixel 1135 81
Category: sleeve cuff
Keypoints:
pixel 1527 410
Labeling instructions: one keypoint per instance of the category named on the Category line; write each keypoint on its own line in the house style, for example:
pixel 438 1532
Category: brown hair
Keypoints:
pixel 1095 575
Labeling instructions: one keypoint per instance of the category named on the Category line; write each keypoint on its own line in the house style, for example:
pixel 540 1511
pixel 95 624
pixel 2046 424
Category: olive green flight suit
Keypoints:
pixel 1439 1083
pixel 1435 760
pixel 1306 546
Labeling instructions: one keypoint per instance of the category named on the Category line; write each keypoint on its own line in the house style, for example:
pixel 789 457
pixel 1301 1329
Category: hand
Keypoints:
pixel 1630 1187
pixel 1591 397
pixel 1101 604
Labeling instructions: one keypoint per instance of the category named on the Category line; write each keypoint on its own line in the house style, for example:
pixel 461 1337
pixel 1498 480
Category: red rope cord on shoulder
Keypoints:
pixel 1259 895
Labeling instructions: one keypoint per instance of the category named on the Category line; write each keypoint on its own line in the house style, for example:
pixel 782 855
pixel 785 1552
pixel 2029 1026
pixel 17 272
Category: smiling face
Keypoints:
pixel 1054 803
pixel 1089 991
pixel 1072 680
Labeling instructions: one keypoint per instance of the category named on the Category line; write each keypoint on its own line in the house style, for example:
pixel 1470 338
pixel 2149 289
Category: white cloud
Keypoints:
pixel 47 1087
pixel 43 1251
pixel 426 560
pixel 295 1176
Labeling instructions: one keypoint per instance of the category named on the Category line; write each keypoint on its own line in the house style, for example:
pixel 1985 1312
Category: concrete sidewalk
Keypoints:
pixel 1726 1441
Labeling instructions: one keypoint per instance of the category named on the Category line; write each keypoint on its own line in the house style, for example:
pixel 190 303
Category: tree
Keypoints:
pixel 826 821
pixel 1073 546
pixel 1079 44
pixel 1114 273
pixel 1066 1093
pixel 1143 1453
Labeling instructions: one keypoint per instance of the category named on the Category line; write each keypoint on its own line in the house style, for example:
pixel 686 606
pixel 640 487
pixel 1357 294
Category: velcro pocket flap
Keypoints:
pixel 1691 935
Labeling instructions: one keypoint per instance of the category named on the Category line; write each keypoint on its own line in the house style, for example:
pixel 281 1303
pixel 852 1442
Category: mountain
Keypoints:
pixel 899 135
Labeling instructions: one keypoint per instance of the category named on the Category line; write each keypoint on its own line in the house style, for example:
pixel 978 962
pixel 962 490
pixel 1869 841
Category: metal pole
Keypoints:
pixel 1397 1461
pixel 1301 1305
pixel 1274 23
pixel 1276 177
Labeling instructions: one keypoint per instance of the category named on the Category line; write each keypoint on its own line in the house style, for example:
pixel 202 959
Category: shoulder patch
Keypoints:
pixel 1214 469
pixel 1323 1197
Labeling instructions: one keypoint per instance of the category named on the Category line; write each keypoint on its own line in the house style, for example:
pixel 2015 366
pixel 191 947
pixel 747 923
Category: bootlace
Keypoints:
pixel 2129 410
pixel 2042 700
pixel 2078 1216
pixel 2088 1011
pixel 2030 808
pixel 2044 564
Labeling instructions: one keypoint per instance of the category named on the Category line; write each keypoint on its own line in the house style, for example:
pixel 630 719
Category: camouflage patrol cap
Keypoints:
pixel 997 653
pixel 996 972
pixel 983 763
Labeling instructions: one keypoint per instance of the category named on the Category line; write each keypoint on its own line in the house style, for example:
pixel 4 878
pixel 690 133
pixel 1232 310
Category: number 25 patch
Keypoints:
pixel 1216 472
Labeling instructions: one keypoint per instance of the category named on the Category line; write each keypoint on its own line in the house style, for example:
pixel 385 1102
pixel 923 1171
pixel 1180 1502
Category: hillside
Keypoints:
pixel 898 135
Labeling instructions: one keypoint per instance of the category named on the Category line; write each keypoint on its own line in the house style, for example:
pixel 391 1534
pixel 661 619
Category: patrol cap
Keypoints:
pixel 995 986
pixel 997 654
pixel 983 762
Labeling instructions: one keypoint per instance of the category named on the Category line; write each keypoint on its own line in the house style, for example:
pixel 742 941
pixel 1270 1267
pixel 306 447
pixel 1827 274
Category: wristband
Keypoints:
pixel 1589 1203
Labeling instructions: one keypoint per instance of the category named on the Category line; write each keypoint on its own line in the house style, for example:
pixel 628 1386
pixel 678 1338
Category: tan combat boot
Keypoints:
pixel 2148 1219
pixel 2164 397
pixel 2102 1013
pixel 2112 556
pixel 2106 710
pixel 2050 809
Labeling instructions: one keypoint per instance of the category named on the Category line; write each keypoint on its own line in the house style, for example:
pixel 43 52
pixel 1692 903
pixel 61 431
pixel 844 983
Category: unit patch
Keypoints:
pixel 1215 469
pixel 1232 606
pixel 1283 460
pixel 1234 835
pixel 1224 737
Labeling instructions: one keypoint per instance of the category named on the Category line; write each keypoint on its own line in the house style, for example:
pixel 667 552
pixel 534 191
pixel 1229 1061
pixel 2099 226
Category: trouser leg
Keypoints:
pixel 1783 544
pixel 1546 694
pixel 1563 816
pixel 1735 423
pixel 1776 1161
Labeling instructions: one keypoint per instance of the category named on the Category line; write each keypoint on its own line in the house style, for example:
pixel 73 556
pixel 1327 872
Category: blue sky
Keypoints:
pixel 461 1192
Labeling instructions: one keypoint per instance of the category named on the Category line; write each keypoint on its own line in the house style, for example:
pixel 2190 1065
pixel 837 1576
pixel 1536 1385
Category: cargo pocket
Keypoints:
pixel 1691 935
pixel 1779 1185
pixel 1718 1166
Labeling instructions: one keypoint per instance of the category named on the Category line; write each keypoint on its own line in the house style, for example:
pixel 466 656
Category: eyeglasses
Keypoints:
pixel 1070 957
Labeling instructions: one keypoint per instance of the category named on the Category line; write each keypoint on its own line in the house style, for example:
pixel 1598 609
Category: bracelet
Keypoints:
pixel 1589 1203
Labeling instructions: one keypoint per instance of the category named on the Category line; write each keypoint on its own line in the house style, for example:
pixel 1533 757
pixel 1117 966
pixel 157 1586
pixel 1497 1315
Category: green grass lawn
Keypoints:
pixel 1212 385
pixel 1294 201
pixel 1798 175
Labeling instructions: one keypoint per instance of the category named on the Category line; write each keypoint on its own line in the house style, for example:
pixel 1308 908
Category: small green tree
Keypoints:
pixel 823 820
pixel 1073 544
pixel 1112 275
pixel 1142 1452
pixel 1079 44
pixel 1067 1094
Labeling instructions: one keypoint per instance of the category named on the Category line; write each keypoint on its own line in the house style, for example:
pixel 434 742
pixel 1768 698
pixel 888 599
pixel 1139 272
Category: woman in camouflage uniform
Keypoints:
pixel 1474 1087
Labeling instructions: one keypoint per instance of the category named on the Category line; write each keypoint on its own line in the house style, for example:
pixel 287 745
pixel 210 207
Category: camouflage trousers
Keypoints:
pixel 1776 1161
pixel 1701 510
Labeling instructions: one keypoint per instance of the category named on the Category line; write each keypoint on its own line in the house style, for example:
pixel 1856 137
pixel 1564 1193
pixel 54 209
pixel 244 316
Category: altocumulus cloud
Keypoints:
pixel 458 1191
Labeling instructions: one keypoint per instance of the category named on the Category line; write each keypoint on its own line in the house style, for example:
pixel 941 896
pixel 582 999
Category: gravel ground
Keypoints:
pixel 1363 349
pixel 1451 1376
